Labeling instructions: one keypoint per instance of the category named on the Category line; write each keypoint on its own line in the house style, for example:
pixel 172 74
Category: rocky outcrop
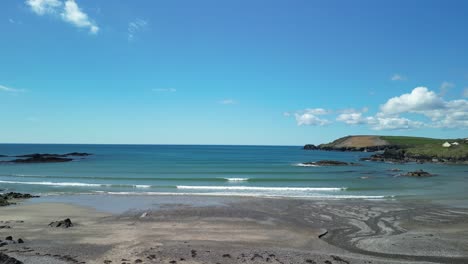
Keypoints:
pixel 66 223
pixel 418 173
pixel 5 259
pixel 329 163
pixel 5 199
pixel 310 147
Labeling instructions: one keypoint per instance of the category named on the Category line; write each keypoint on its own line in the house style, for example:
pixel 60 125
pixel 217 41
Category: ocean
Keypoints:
pixel 258 171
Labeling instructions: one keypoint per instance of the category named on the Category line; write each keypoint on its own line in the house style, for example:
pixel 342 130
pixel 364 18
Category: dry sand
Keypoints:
pixel 244 230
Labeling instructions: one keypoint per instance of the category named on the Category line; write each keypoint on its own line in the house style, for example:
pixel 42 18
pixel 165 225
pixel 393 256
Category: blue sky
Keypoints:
pixel 231 72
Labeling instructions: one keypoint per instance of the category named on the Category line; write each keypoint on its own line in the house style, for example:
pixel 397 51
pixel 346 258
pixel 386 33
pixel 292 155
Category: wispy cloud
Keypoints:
pixel 398 77
pixel 445 87
pixel 7 89
pixel 134 27
pixel 228 102
pixel 68 11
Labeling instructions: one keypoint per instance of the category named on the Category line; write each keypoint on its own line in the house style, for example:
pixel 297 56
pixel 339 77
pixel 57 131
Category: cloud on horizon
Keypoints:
pixel 430 109
pixel 68 11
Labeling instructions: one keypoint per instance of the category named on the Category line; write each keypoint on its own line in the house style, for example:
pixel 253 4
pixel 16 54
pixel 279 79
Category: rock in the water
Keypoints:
pixel 78 154
pixel 20 241
pixel 329 163
pixel 41 158
pixel 10 238
pixel 310 147
pixel 418 173
pixel 5 259
pixel 66 223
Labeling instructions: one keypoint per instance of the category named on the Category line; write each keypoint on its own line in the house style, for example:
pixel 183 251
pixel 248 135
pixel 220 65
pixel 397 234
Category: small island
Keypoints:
pixel 400 149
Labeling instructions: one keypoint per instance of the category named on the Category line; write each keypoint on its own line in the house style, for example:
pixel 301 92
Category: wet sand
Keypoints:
pixel 239 230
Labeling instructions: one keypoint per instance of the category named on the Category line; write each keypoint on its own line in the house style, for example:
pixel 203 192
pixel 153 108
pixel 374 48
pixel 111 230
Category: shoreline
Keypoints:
pixel 169 228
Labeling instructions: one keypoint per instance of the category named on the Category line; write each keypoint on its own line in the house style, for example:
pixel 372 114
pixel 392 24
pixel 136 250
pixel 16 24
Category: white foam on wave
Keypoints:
pixel 76 184
pixel 251 188
pixel 236 179
pixel 305 165
pixel 142 186
pixel 234 194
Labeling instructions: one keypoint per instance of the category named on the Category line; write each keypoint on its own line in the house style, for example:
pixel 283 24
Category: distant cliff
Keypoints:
pixel 401 149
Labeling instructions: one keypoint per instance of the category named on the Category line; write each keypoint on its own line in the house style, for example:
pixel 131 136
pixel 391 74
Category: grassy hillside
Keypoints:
pixel 430 147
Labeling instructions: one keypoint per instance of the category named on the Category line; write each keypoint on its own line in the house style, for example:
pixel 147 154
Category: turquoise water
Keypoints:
pixel 270 171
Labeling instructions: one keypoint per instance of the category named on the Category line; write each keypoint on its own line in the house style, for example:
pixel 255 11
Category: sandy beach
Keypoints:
pixel 238 230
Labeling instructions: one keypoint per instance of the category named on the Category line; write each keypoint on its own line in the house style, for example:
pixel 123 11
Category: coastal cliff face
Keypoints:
pixel 401 149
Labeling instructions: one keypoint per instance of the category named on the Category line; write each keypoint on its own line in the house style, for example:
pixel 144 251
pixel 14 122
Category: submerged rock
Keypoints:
pixel 40 158
pixel 329 163
pixel 418 173
pixel 66 223
pixel 78 154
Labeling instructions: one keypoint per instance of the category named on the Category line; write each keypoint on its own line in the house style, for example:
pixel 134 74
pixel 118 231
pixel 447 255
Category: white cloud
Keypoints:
pixel 42 7
pixel 162 90
pixel 465 92
pixel 74 15
pixel 69 11
pixel 354 118
pixel 398 77
pixel 420 99
pixel 311 117
pixel 392 123
pixel 227 102
pixel 445 87
pixel 9 89
pixel 135 26
pixel 426 108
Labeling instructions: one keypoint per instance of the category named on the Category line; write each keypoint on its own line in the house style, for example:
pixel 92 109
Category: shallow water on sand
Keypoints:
pixel 268 171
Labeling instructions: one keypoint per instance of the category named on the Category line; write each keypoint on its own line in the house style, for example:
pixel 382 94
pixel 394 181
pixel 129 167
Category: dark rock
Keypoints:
pixel 41 158
pixel 418 173
pixel 4 198
pixel 15 195
pixel 5 227
pixel 329 163
pixel 9 238
pixel 78 154
pixel 66 223
pixel 5 259
pixel 141 261
pixel 310 147
pixel 20 241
